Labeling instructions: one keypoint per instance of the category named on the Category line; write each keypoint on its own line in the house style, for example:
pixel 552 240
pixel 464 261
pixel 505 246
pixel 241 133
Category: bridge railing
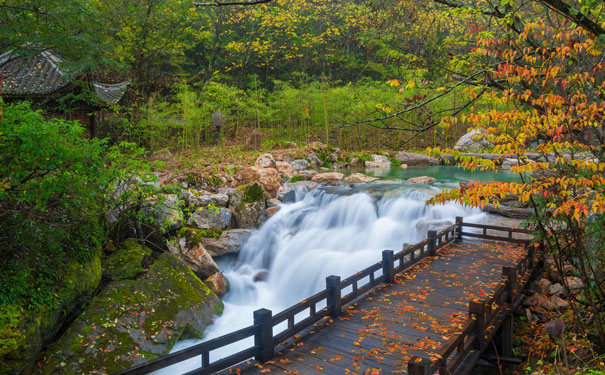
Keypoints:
pixel 269 330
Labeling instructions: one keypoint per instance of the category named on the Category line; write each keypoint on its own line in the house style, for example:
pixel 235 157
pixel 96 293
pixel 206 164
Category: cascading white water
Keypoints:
pixel 321 234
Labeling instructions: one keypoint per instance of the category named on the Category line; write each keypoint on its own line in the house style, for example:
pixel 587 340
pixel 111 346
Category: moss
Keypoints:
pixel 253 193
pixel 132 321
pixel 126 262
pixel 196 236
pixel 297 179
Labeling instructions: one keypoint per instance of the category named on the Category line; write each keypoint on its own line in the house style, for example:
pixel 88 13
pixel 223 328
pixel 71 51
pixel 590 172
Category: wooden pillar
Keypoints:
pixel 419 366
pixel 510 274
pixel 388 266
pixel 459 220
pixel 432 236
pixel 334 297
pixel 507 336
pixel 264 335
pixel 476 310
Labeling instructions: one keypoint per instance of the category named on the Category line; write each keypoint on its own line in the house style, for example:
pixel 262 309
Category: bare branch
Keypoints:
pixel 230 3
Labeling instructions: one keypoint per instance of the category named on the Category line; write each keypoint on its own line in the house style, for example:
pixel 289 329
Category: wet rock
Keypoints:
pixel 328 177
pixel 229 242
pixel 210 217
pixel 248 205
pixel 299 165
pixel 360 177
pixel 268 177
pixel 134 321
pixel 413 159
pixel 421 180
pixel 290 187
pixel 271 211
pixel 272 202
pixel 127 262
pixel 473 141
pixel 261 276
pixel 378 161
pixel 192 253
pixel 265 161
pixel 218 284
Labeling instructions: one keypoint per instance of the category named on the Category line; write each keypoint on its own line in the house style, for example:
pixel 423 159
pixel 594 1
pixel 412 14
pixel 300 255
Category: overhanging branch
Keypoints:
pixel 230 3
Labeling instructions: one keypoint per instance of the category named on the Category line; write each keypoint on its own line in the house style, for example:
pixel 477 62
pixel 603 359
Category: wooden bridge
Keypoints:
pixel 434 306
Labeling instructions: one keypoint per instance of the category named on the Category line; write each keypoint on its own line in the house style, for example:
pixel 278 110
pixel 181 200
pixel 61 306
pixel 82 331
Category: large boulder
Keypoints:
pixel 424 225
pixel 218 284
pixel 420 180
pixel 299 165
pixel 328 177
pixel 360 177
pixel 133 321
pixel 413 159
pixel 211 217
pixel 285 168
pixel 201 198
pixel 248 205
pixel 165 211
pixel 129 261
pixel 473 141
pixel 289 188
pixel 265 161
pixel 25 331
pixel 229 242
pixel 378 161
pixel 306 174
pixel 191 251
pixel 268 177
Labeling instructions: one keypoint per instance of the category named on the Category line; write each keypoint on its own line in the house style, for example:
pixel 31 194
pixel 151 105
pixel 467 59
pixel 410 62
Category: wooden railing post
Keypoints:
pixel 507 336
pixel 459 228
pixel 264 335
pixel 388 266
pixel 510 273
pixel 476 310
pixel 432 236
pixel 334 297
pixel 419 366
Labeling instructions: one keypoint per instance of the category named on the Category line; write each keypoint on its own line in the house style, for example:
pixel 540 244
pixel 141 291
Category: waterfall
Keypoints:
pixel 324 232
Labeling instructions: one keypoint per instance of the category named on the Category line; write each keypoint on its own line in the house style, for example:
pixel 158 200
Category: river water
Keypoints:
pixel 332 231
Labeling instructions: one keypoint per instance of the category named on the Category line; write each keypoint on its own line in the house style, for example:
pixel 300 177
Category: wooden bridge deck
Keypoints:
pixel 415 316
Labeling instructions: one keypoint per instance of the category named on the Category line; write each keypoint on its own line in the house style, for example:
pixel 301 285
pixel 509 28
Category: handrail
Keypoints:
pixel 265 339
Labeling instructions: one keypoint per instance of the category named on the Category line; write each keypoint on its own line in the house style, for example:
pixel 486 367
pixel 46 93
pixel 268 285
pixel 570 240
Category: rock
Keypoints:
pixel 127 262
pixel 272 202
pixel 328 177
pixel 540 301
pixel 190 250
pixel 291 187
pixel 24 332
pixel 387 182
pixel 163 155
pixel 556 290
pixel 261 276
pixel 360 177
pixel 575 284
pixel 218 284
pixel 299 165
pixel 317 145
pixel 544 285
pixel 403 166
pixel 226 191
pixel 355 162
pixel 265 161
pixel 134 321
pixel 473 141
pixel 306 175
pixel 508 211
pixel 424 225
pixel 285 168
pixel 198 199
pixel 413 159
pixel 507 163
pixel 421 180
pixel 229 242
pixel 559 303
pixel 165 211
pixel 211 218
pixel 340 166
pixel 248 205
pixel 314 159
pixel 290 144
pixel 332 157
pixel 379 161
pixel 271 211
pixel 555 328
pixel 268 177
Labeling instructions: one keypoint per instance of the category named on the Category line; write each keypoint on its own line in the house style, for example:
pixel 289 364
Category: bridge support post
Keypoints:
pixel 511 286
pixel 507 337
pixel 388 266
pixel 264 335
pixel 459 228
pixel 334 297
pixel 476 310
pixel 432 236
pixel 419 366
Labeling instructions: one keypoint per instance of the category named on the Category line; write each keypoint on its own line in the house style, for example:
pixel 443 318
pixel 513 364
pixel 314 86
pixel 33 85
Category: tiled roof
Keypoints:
pixel 110 94
pixel 31 75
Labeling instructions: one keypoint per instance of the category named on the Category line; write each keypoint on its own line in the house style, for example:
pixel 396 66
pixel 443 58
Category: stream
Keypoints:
pixel 328 231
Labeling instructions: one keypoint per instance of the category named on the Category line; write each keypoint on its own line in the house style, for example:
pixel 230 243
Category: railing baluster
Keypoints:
pixel 205 359
pixel 291 322
pixel 388 266
pixel 334 295
pixel 312 310
pixel 264 335
pixel 432 246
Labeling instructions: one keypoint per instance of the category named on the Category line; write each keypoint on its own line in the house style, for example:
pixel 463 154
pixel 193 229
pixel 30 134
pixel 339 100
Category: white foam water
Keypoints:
pixel 321 234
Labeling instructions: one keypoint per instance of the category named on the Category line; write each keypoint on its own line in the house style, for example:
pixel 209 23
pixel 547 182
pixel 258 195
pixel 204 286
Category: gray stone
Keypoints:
pixel 424 225
pixel 299 165
pixel 556 290
pixel 315 159
pixel 229 242
pixel 210 217
pixel 198 199
pixel 293 186
pixel 360 177
pixel 193 253
pixel 413 159
pixel 248 205
pixel 340 166
pixel 378 161
pixel 166 212
pixel 265 161
pixel 307 174
pixel 421 180
pixel 473 141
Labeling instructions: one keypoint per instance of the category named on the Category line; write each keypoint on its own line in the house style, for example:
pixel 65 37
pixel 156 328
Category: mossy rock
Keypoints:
pixel 248 205
pixel 23 332
pixel 133 321
pixel 127 262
